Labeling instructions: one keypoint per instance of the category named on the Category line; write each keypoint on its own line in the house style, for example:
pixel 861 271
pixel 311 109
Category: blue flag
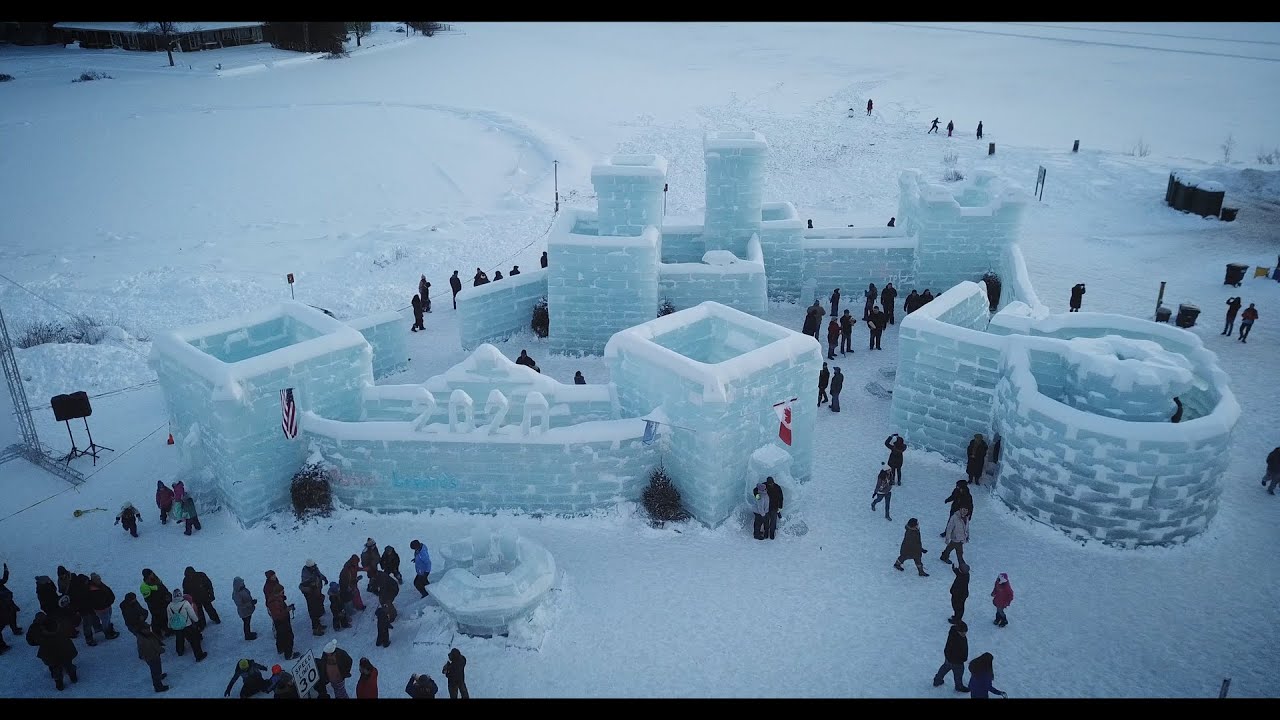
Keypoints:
pixel 650 432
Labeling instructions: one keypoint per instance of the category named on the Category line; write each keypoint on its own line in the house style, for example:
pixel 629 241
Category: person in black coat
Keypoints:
pixel 480 278
pixel 78 593
pixel 57 651
pixel 926 297
pixel 934 127
pixel 455 672
pixel 824 377
pixel 897 446
pixel 912 548
pixel 846 332
pixel 1077 297
pixel 391 563
pixel 417 314
pixel 869 297
pixel 1273 471
pixel 455 284
pixel 1233 308
pixel 527 361
pixel 959 498
pixel 950 127
pixel 835 304
pixel 1177 414
pixel 888 296
pixel 200 588
pixel 497 275
pixel 979 129
pixel 544 259
pixel 976 459
pixel 813 320
pixel 515 270
pixel 424 292
pixel 8 609
pixel 422 687
pixel 954 656
pixel 837 384
pixel 578 379
pixel 383 616
pixel 876 322
pixel 892 222
pixel 775 507
pixel 911 303
pixel 133 613
pixel 959 592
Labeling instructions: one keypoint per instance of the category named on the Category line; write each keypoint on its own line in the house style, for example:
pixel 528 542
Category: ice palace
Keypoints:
pixel 1079 403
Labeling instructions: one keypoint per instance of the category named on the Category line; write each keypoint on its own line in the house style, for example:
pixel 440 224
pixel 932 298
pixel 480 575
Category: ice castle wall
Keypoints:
pixel 727 407
pixel 385 333
pixel 389 467
pixel 500 309
pixel 947 373
pixel 629 193
pixel 735 188
pixel 598 285
pixel 1121 482
pixel 781 234
pixel 682 242
pixel 850 258
pixel 740 285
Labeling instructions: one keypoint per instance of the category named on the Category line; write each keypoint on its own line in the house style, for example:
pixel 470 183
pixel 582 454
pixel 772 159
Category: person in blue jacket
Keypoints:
pixel 982 677
pixel 421 566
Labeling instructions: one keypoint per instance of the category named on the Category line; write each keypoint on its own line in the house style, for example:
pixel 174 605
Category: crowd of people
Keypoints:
pixel 80 606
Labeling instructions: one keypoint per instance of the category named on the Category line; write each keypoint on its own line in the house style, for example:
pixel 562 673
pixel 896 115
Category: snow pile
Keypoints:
pixel 716 372
pixel 493 580
pixel 497 310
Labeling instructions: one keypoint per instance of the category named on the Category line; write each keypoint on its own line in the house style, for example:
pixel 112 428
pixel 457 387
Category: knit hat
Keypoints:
pixel 244 664
pixel 270 573
pixel 369 543
pixel 177 593
pixel 95 577
pixel 1002 578
pixel 913 522
pixel 333 645
pixel 311 563
pixel 275 669
pixel 64 601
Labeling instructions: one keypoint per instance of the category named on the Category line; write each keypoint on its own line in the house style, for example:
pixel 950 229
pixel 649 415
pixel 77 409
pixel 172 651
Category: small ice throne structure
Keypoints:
pixel 717 371
pixel 484 591
pixel 222 384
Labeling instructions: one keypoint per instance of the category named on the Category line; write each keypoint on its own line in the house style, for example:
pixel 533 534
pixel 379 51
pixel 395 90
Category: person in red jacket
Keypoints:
pixel 367 685
pixel 1001 597
pixel 833 338
pixel 164 501
pixel 1246 321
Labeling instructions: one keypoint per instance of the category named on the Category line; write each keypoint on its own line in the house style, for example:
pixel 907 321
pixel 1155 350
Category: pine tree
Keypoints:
pixel 662 499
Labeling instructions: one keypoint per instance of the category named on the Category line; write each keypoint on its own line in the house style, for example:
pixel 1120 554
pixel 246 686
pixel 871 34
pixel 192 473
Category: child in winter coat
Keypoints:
pixel 189 516
pixel 383 615
pixel 338 607
pixel 282 684
pixel 982 677
pixel 367 685
pixel 1002 597
pixel 179 491
pixel 129 518
pixel 883 491
pixel 164 501
pixel 245 605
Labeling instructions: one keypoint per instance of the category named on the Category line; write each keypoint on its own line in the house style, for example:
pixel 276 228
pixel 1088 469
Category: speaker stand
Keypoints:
pixel 94 448
pixel 75 452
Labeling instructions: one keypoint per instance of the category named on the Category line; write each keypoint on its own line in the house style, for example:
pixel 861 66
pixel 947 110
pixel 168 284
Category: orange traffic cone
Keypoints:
pixel 170 441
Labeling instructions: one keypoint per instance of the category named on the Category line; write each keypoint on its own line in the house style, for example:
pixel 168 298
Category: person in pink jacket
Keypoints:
pixel 1001 597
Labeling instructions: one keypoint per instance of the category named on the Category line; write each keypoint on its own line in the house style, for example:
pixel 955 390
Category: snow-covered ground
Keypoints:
pixel 164 197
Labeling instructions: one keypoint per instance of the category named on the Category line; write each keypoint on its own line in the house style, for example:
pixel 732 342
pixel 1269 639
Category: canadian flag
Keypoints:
pixel 783 409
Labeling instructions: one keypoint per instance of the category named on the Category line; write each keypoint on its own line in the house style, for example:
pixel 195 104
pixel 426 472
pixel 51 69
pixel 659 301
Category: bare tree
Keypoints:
pixel 1228 146
pixel 166 30
pixel 360 29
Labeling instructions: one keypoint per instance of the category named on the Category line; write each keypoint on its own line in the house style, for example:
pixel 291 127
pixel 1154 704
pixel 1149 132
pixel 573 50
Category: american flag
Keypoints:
pixel 290 412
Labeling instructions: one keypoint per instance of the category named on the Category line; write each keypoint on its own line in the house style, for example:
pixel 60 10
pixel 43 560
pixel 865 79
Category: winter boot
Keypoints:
pixel 923 573
pixel 251 636
pixel 202 656
pixel 113 634
pixel 162 688
pixel 73 673
pixel 898 567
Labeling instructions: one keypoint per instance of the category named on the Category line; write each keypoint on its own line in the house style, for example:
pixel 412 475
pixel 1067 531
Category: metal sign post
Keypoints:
pixel 555 170
pixel 305 674
pixel 1040 176
pixel 1226 685
pixel 289 277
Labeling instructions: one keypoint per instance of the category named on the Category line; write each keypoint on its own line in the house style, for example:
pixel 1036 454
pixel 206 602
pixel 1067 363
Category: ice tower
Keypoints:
pixel 735 189
pixel 222 383
pixel 715 373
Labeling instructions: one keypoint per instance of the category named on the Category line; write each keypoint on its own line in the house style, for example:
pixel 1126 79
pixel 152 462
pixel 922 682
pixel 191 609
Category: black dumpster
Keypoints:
pixel 1229 214
pixel 1163 314
pixel 1168 193
pixel 1207 201
pixel 1235 274
pixel 1187 315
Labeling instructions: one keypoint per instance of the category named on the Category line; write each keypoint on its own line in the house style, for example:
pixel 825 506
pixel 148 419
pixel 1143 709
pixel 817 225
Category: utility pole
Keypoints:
pixel 555 170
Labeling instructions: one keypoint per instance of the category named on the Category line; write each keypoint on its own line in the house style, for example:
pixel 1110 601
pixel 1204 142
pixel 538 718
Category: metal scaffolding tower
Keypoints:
pixel 30 448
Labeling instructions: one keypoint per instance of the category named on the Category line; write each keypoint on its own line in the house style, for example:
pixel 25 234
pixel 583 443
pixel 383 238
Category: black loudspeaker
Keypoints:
pixel 71 407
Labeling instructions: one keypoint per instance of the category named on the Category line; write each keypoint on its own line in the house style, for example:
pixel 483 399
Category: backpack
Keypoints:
pixel 177 620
